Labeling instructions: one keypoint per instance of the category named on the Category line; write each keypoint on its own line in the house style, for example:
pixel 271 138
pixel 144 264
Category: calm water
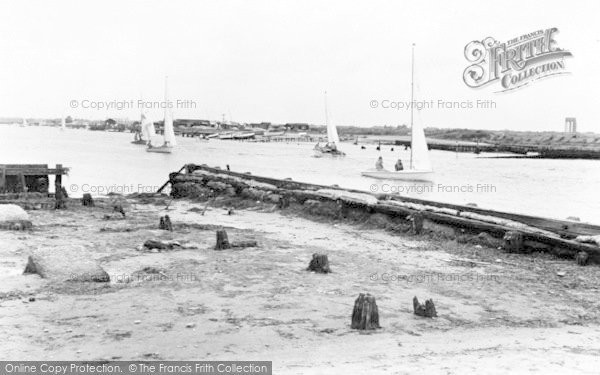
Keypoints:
pixel 101 161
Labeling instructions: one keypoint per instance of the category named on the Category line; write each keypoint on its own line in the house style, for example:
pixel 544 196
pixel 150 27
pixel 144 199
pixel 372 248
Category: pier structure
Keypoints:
pixel 28 185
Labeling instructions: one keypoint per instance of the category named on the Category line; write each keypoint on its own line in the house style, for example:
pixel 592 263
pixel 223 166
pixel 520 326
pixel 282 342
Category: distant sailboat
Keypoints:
pixel 24 123
pixel 333 139
pixel 63 124
pixel 420 165
pixel 146 132
pixel 169 133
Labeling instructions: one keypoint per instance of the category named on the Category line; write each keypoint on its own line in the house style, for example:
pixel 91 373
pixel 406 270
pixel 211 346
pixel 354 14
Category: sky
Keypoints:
pixel 253 61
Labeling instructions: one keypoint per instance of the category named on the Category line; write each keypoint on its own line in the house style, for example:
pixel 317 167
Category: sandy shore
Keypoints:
pixel 497 312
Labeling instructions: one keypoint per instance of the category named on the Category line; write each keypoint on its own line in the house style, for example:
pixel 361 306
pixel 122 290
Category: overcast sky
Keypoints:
pixel 272 60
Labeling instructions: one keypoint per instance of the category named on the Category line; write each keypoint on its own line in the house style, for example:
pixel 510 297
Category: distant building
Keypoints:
pixel 297 127
pixel 277 128
pixel 570 125
pixel 191 122
pixel 260 125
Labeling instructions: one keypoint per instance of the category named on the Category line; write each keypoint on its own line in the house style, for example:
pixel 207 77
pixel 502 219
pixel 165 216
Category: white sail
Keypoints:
pixel 147 128
pixel 420 153
pixel 63 124
pixel 169 132
pixel 332 135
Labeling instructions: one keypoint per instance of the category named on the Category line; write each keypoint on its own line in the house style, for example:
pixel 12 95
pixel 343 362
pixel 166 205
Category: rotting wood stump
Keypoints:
pixel 165 223
pixel 365 315
pixel 582 258
pixel 319 263
pixel 426 310
pixel 119 208
pixel 513 242
pixel 222 240
pixel 416 223
pixel 87 200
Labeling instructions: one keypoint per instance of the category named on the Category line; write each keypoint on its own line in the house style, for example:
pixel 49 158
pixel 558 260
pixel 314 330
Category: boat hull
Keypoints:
pixel 321 151
pixel 160 150
pixel 408 175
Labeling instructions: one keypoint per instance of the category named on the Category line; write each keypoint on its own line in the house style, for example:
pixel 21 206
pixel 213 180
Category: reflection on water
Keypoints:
pixel 102 161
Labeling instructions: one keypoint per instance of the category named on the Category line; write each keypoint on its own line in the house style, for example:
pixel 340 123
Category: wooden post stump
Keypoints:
pixel 513 242
pixel 582 258
pixel 87 200
pixel 118 208
pixel 365 315
pixel 284 202
pixel 60 200
pixel 165 223
pixel 417 223
pixel 319 263
pixel 426 310
pixel 222 240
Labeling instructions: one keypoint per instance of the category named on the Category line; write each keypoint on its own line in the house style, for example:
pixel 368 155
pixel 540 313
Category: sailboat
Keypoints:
pixel 24 123
pixel 169 133
pixel 63 124
pixel 419 167
pixel 330 147
pixel 143 136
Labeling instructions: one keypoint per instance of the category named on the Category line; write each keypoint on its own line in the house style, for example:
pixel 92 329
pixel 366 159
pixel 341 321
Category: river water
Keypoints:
pixel 103 161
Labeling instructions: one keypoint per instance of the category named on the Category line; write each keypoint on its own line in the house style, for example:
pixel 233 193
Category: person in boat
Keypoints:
pixel 379 164
pixel 399 166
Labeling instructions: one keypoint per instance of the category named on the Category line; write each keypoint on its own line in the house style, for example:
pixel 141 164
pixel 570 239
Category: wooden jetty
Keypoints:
pixel 540 151
pixel 561 237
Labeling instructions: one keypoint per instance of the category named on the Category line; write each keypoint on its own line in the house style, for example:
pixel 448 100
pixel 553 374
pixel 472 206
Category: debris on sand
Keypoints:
pixel 223 241
pixel 159 245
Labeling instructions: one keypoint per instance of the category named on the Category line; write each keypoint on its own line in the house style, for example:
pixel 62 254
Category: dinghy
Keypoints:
pixel 333 139
pixel 169 133
pixel 419 168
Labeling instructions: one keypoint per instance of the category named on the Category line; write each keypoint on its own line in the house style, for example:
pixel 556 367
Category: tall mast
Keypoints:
pixel 326 115
pixel 412 104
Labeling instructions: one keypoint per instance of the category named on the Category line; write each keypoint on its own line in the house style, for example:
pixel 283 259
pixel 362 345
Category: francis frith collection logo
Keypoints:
pixel 515 63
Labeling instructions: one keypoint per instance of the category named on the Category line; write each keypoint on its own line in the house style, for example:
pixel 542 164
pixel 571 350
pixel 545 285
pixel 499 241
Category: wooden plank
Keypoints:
pixel 570 228
pixel 477 225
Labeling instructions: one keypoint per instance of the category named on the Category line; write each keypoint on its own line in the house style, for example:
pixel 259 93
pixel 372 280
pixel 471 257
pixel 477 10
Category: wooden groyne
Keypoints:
pixel 514 232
